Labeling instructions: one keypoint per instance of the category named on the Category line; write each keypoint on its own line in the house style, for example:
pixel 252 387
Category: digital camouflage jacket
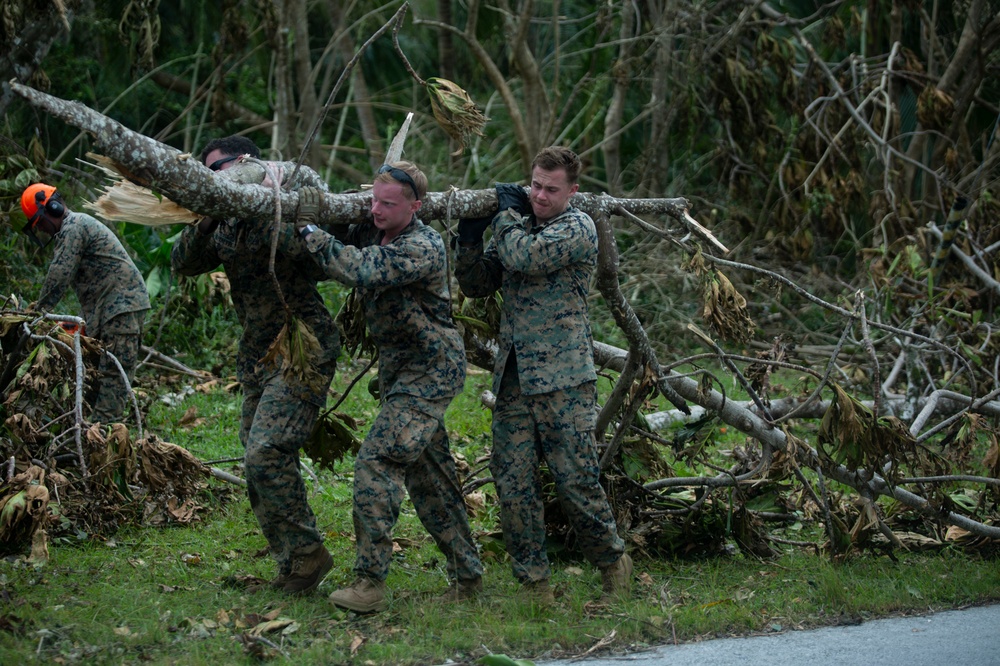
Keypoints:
pixel 404 288
pixel 89 258
pixel 243 247
pixel 543 272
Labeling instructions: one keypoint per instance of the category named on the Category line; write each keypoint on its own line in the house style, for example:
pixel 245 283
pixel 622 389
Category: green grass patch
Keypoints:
pixel 167 595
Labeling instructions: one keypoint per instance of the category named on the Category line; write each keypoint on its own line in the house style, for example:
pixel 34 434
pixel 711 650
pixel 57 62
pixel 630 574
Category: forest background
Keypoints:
pixel 843 153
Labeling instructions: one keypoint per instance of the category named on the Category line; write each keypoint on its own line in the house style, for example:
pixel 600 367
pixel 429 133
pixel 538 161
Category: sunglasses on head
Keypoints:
pixel 217 164
pixel 400 176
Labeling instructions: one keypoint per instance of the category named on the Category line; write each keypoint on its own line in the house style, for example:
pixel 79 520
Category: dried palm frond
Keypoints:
pixel 292 352
pixel 124 201
pixel 112 458
pixel 455 111
pixel 725 309
pixel 166 467
pixel 331 439
pixel 353 325
pixel 23 510
pixel 851 435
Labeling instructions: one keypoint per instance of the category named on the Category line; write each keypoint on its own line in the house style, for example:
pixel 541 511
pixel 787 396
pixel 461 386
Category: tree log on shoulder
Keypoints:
pixel 184 180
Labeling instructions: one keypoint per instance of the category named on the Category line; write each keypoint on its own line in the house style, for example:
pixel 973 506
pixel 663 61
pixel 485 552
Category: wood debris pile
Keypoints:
pixel 62 476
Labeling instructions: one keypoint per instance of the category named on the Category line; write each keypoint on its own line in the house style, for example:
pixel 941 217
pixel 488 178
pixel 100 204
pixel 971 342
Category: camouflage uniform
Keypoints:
pixel 90 259
pixel 544 380
pixel 404 288
pixel 278 412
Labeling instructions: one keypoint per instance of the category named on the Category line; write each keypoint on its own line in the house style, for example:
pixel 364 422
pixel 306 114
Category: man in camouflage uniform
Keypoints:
pixel 542 254
pixel 399 266
pixel 279 409
pixel 90 259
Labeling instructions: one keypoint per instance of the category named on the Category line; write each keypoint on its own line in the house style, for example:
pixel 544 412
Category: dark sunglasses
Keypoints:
pixel 401 176
pixel 217 164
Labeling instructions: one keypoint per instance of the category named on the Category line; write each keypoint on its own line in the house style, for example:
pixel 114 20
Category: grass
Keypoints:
pixel 165 595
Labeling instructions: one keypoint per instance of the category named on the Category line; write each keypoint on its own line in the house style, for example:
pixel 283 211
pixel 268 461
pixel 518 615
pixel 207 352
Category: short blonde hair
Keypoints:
pixel 411 170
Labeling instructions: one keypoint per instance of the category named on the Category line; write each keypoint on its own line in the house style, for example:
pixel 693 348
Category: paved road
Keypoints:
pixel 969 637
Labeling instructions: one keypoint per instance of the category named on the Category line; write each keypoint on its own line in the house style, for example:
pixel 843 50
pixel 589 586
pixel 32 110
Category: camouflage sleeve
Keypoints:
pixel 478 270
pixel 567 240
pixel 393 265
pixel 253 173
pixel 194 253
pixel 65 263
pixel 307 177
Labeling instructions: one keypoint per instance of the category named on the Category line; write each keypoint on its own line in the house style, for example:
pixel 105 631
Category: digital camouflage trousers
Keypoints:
pixel 121 336
pixel 275 423
pixel 557 429
pixel 407 446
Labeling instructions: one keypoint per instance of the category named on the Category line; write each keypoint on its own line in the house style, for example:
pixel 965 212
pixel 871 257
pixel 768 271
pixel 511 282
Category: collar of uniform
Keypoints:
pixel 536 224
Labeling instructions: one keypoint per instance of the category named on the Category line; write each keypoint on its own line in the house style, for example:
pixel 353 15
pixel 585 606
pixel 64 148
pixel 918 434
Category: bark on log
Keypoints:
pixel 184 180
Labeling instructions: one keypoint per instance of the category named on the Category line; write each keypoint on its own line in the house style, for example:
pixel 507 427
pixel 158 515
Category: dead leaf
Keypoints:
pixel 270 626
pixel 475 503
pixel 190 418
pixel 207 387
pixel 184 513
pixel 357 640
pixel 955 533
pixel 39 548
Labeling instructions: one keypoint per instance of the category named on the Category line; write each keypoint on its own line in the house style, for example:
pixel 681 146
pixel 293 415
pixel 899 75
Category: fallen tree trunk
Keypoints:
pixel 184 180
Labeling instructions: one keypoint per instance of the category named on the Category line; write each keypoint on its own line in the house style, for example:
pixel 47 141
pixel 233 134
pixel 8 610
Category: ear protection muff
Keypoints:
pixel 54 206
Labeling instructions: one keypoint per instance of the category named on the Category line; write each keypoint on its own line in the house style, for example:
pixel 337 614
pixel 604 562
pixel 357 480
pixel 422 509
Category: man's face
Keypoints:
pixel 220 160
pixel 44 228
pixel 550 192
pixel 391 209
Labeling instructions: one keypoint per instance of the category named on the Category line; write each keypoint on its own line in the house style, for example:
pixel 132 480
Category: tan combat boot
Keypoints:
pixel 538 593
pixel 617 578
pixel 363 596
pixel 308 571
pixel 462 590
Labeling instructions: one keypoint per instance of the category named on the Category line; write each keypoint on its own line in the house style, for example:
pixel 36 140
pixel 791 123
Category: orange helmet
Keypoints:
pixel 34 197
pixel 35 200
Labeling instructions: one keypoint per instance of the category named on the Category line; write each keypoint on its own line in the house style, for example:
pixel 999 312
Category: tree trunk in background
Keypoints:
pixel 962 77
pixel 611 145
pixel 366 114
pixel 663 99
pixel 25 40
pixel 277 34
pixel 537 106
pixel 303 82
pixel 446 48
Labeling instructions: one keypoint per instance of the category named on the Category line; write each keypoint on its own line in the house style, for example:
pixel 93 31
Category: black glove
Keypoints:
pixel 512 195
pixel 471 230
pixel 309 208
